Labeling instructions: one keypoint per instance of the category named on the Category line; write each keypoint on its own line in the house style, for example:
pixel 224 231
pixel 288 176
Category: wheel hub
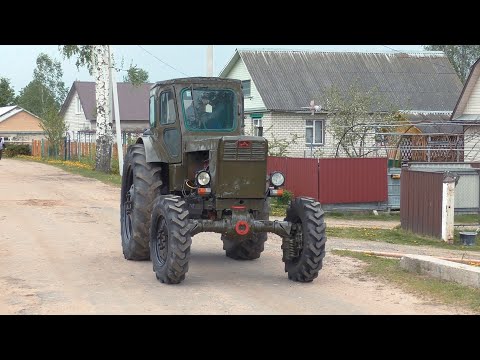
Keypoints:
pixel 292 245
pixel 162 241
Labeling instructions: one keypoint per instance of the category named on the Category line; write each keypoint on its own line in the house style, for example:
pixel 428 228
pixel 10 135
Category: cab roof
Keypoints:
pixel 197 80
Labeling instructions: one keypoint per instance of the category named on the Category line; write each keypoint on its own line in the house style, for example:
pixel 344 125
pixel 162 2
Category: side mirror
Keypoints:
pixel 148 132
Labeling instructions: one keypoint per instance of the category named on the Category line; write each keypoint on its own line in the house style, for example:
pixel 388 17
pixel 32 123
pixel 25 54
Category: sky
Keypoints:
pixel 162 62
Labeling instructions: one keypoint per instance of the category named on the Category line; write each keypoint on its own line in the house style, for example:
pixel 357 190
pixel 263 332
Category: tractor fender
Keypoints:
pixel 150 154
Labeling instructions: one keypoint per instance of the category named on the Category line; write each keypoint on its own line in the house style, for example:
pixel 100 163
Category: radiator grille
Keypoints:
pixel 256 152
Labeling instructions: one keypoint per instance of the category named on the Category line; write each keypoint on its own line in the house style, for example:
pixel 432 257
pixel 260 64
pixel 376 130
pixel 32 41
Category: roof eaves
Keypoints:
pixel 230 64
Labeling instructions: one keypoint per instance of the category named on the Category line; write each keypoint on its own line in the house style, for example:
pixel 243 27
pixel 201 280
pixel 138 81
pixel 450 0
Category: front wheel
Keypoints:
pixel 305 249
pixel 170 239
pixel 141 182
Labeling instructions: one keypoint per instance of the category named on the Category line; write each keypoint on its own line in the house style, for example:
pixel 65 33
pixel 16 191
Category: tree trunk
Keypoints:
pixel 103 156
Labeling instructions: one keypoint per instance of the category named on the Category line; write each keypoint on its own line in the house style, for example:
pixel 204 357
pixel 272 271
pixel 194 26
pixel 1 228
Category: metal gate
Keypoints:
pixel 467 190
pixel 393 180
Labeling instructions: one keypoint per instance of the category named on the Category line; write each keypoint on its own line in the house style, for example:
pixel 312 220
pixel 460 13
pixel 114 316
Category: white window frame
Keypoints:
pixel 313 132
pixel 78 108
pixel 256 123
pixel 250 89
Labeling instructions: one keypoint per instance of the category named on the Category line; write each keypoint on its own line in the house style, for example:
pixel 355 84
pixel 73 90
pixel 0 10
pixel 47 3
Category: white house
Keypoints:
pixel 79 107
pixel 279 85
pixel 467 113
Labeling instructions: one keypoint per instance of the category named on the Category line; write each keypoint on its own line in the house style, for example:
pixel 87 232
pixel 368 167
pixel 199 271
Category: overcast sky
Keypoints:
pixel 162 62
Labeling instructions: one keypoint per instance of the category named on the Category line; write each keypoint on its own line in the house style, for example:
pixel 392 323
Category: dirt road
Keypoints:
pixel 60 253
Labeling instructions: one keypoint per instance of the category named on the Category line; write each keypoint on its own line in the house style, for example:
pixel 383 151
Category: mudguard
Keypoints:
pixel 150 153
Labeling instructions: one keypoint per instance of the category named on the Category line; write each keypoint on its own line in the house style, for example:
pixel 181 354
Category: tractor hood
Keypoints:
pixel 202 144
pixel 241 167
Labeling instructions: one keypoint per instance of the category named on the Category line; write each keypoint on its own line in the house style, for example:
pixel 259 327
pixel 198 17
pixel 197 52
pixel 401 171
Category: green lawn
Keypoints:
pixel 398 236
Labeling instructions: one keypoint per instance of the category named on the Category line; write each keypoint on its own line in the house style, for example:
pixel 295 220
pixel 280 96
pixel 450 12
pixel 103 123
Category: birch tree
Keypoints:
pixel 104 134
pixel 96 59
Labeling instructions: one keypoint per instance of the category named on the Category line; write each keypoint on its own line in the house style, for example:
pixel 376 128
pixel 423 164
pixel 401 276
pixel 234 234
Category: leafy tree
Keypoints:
pixel 136 75
pixel 44 96
pixel 49 73
pixel 355 116
pixel 7 93
pixel 36 98
pixel 97 60
pixel 462 57
pixel 47 88
pixel 54 126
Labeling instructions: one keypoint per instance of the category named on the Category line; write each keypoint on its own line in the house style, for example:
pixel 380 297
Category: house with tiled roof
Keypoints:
pixel 79 107
pixel 279 85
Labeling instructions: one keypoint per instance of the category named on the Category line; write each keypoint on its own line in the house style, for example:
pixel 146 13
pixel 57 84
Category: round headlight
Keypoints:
pixel 203 178
pixel 277 179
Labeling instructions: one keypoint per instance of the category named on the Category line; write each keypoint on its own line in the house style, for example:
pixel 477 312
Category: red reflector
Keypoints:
pixel 242 227
pixel 238 207
pixel 276 192
pixel 243 144
pixel 204 191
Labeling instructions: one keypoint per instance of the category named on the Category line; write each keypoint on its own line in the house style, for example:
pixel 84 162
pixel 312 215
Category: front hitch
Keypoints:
pixel 239 225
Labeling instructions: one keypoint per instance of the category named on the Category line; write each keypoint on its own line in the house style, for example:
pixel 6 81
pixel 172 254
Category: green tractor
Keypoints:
pixel 195 171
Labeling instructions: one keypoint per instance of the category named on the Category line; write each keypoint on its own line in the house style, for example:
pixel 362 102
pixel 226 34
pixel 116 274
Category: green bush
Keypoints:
pixel 285 199
pixel 12 150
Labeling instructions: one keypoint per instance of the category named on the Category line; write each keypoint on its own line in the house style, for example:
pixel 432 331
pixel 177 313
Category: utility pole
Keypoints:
pixel 209 60
pixel 118 129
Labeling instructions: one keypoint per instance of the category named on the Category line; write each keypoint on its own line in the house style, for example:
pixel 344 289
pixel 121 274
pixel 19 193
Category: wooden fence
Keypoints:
pixel 75 150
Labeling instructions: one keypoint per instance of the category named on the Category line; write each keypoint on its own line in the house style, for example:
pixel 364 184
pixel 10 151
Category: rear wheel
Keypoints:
pixel 141 182
pixel 306 247
pixel 252 246
pixel 170 239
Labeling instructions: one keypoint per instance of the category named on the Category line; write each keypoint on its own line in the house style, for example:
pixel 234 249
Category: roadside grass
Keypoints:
pixel 398 236
pixel 438 290
pixel 467 219
pixel 364 215
pixel 84 167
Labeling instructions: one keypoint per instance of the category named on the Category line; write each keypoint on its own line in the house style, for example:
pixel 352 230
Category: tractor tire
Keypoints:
pixel 141 182
pixel 170 239
pixel 308 213
pixel 252 246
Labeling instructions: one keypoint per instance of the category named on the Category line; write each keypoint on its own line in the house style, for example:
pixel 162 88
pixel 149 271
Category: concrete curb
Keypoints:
pixel 442 269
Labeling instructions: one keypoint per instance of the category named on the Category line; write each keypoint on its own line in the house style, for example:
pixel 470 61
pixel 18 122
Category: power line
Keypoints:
pixel 392 49
pixel 181 72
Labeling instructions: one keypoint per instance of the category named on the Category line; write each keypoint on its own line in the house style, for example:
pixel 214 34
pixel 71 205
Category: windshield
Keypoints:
pixel 209 110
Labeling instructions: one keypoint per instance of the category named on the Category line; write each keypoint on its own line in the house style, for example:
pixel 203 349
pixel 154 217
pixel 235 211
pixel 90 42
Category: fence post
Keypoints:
pixel 65 148
pixel 448 207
